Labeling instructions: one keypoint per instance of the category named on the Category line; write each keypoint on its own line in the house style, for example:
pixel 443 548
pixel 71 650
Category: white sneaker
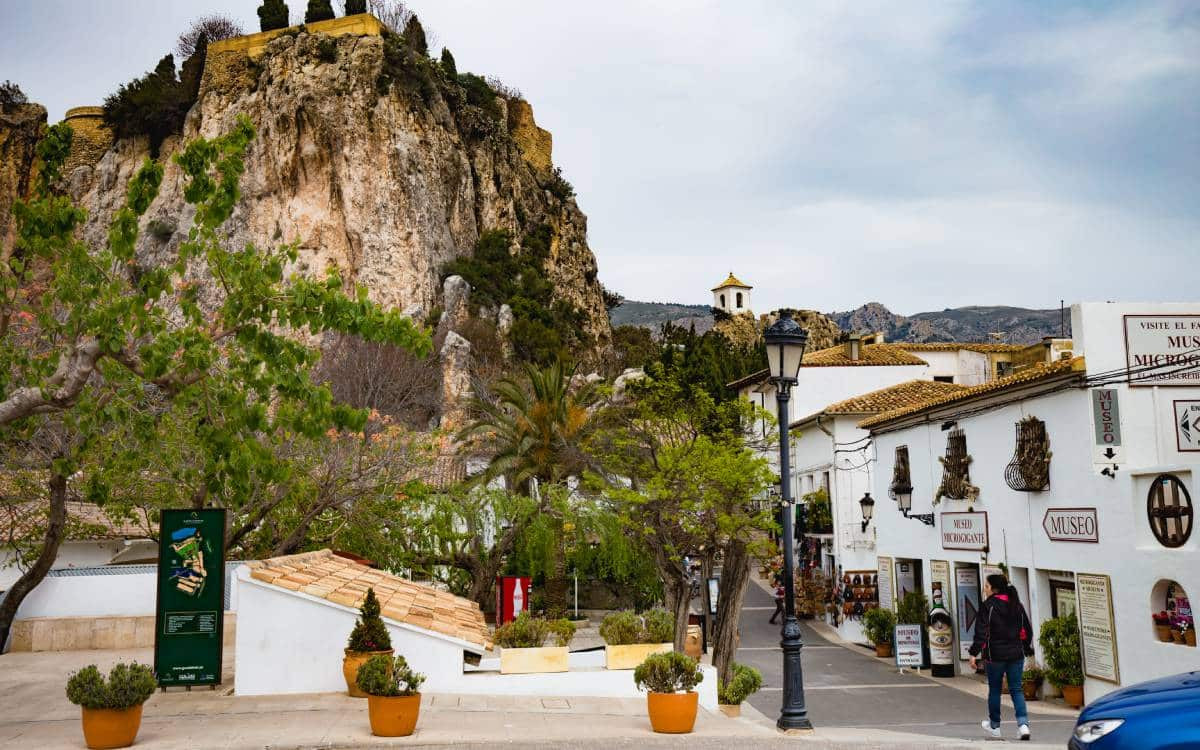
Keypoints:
pixel 991 730
pixel 1023 730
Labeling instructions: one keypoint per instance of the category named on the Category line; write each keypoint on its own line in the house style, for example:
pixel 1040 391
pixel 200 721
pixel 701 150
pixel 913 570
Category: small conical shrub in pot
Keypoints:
pixel 669 680
pixel 393 695
pixel 112 708
pixel 369 638
pixel 744 682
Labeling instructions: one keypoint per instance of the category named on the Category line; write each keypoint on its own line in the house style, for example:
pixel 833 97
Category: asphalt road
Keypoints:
pixel 845 688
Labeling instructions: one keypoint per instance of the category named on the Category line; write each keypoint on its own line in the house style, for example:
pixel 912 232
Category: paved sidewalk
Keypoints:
pixel 37 715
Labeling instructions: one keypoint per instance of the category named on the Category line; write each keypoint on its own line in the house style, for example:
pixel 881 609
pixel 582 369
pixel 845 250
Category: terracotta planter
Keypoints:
pixel 1190 637
pixel 731 710
pixel 1163 632
pixel 1073 695
pixel 1177 636
pixel 533 660
pixel 350 664
pixel 111 727
pixel 1030 689
pixel 883 649
pixel 633 654
pixel 672 713
pixel 393 716
pixel 692 645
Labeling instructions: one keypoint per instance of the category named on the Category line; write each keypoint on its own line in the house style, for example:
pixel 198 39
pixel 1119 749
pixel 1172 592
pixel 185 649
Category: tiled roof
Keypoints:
pixel 895 397
pixel 731 281
pixel 1028 375
pixel 953 346
pixel 872 355
pixel 326 576
pixel 85 521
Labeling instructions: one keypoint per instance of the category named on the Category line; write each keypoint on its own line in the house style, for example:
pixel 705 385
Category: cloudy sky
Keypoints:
pixel 921 155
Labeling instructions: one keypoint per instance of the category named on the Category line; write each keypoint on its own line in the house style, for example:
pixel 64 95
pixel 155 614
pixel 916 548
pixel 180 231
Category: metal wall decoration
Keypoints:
pixel 1029 470
pixel 901 477
pixel 1169 508
pixel 956 474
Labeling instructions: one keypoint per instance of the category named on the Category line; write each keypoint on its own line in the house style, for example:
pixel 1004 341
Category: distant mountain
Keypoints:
pixel 1012 325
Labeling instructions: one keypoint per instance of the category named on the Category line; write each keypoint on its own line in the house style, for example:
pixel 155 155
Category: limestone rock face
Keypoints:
pixel 385 187
pixel 456 293
pixel 456 380
pixel 20 129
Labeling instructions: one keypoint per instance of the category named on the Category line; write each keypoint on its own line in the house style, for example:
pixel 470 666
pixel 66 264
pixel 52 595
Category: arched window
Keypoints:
pixel 1171 612
pixel 739 300
pixel 722 301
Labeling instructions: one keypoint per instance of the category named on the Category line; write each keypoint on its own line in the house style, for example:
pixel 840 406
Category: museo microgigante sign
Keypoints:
pixel 1163 349
pixel 967 530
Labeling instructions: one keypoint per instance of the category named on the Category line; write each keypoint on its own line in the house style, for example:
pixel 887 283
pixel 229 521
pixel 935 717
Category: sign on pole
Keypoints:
pixel 190 609
pixel 1106 422
pixel 907 642
pixel 1187 425
pixel 1071 525
pixel 1097 633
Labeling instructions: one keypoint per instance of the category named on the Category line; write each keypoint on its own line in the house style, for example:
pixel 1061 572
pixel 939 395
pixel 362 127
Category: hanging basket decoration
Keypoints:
pixel 956 475
pixel 1029 470
pixel 901 477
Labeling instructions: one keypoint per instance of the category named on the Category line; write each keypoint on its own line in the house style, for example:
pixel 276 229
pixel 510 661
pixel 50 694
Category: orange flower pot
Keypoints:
pixel 393 716
pixel 350 664
pixel 105 728
pixel 1073 695
pixel 883 650
pixel 672 713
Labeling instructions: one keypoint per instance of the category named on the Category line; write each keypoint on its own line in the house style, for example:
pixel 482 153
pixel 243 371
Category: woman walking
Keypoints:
pixel 1004 637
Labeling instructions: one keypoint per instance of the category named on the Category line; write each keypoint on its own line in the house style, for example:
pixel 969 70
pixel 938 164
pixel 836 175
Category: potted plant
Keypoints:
pixel 878 625
pixel 112 708
pixel 1162 626
pixel 1064 665
pixel 670 700
pixel 744 682
pixel 393 695
pixel 522 645
pixel 629 638
pixel 369 638
pixel 1187 631
pixel 1031 681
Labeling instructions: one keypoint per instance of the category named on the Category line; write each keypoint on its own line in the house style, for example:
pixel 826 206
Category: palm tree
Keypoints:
pixel 537 428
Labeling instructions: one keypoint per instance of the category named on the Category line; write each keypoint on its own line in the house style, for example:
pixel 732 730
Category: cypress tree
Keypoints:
pixel 354 7
pixel 318 10
pixel 448 64
pixel 272 14
pixel 414 36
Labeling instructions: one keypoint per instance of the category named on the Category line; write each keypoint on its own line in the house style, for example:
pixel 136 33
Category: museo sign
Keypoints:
pixel 1163 349
pixel 1071 525
pixel 966 530
pixel 1106 419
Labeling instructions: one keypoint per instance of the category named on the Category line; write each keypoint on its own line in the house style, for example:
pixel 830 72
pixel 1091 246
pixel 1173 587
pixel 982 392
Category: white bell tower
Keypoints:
pixel 732 296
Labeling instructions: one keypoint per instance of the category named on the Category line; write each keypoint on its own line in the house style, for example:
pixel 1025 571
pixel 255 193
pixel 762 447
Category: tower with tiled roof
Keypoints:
pixel 732 296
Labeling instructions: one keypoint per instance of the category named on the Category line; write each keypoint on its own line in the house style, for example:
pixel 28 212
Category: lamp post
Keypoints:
pixel 785 341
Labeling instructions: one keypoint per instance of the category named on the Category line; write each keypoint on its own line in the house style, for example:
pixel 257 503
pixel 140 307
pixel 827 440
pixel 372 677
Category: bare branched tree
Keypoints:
pixel 214 27
pixel 385 378
pixel 392 13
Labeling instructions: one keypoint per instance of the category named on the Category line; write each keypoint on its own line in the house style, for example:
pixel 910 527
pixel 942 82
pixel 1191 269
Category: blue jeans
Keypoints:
pixel 997 671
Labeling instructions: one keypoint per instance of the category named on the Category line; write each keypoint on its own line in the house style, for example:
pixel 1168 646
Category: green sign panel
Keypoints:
pixel 191 597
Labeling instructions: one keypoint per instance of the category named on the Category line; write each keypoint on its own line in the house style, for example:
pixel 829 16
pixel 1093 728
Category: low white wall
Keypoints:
pixel 123 594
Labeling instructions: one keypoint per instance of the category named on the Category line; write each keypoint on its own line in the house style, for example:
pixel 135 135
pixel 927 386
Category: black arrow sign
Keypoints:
pixel 1109 453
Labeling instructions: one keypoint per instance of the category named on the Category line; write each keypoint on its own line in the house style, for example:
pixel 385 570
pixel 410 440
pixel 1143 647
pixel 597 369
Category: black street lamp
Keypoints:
pixel 868 510
pixel 785 341
pixel 903 495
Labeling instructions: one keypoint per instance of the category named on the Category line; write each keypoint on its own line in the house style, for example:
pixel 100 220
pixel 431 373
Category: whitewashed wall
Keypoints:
pixel 79 554
pixel 124 594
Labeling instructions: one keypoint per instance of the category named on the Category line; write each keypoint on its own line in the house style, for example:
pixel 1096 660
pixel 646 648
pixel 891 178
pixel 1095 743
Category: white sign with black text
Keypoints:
pixel 1071 525
pixel 967 530
pixel 907 642
pixel 1163 349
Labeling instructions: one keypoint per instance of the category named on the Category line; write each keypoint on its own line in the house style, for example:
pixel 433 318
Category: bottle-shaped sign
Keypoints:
pixel 518 597
pixel 941 636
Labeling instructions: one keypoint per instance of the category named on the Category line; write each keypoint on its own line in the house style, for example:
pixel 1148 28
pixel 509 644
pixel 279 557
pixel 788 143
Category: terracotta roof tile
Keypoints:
pixel 894 397
pixel 341 581
pixel 953 346
pixel 1028 375
pixel 873 355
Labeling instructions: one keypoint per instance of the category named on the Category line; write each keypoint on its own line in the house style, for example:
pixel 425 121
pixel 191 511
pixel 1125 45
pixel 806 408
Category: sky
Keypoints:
pixel 922 155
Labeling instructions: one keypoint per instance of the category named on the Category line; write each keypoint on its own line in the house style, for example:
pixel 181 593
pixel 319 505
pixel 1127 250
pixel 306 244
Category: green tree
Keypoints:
pixel 108 341
pixel 354 7
pixel 272 14
pixel 414 36
pixel 318 10
pixel 154 105
pixel 537 429
pixel 448 63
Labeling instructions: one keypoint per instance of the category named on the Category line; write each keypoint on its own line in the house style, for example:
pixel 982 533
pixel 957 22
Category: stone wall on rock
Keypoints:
pixel 20 129
pixel 90 138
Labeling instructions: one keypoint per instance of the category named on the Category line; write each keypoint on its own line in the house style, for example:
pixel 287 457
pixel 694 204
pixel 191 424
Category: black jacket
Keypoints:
pixel 1003 631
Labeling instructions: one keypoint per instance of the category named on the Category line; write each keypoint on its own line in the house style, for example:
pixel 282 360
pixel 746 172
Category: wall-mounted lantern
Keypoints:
pixel 901 487
pixel 868 509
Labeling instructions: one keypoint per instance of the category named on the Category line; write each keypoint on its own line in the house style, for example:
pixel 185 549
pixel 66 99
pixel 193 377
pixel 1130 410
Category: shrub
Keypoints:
pixel 660 626
pixel 671 672
pixel 160 230
pixel 527 631
pixel 913 609
pixel 744 682
pixel 1033 673
pixel 354 7
pixel 318 10
pixel 878 624
pixel 1060 646
pixel 156 104
pixel 558 185
pixel 369 633
pixel 213 27
pixel 414 36
pixel 327 49
pixel 272 14
pixel 128 685
pixel 621 628
pixel 386 677
pixel 11 96
pixel 448 64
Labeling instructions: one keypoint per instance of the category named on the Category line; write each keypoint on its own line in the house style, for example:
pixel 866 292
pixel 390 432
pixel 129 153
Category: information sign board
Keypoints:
pixel 967 530
pixel 906 640
pixel 883 583
pixel 1163 349
pixel 1097 633
pixel 1106 423
pixel 190 608
pixel 1187 426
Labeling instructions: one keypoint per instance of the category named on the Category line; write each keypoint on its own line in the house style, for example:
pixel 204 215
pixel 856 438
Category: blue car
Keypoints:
pixel 1161 714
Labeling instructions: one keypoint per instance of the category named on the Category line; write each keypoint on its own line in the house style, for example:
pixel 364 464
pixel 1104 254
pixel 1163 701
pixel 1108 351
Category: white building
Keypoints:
pixel 1098 523
pixel 732 296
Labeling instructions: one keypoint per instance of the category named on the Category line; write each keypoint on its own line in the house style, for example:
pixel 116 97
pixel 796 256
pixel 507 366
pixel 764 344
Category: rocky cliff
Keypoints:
pixel 1011 325
pixel 20 128
pixel 386 179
